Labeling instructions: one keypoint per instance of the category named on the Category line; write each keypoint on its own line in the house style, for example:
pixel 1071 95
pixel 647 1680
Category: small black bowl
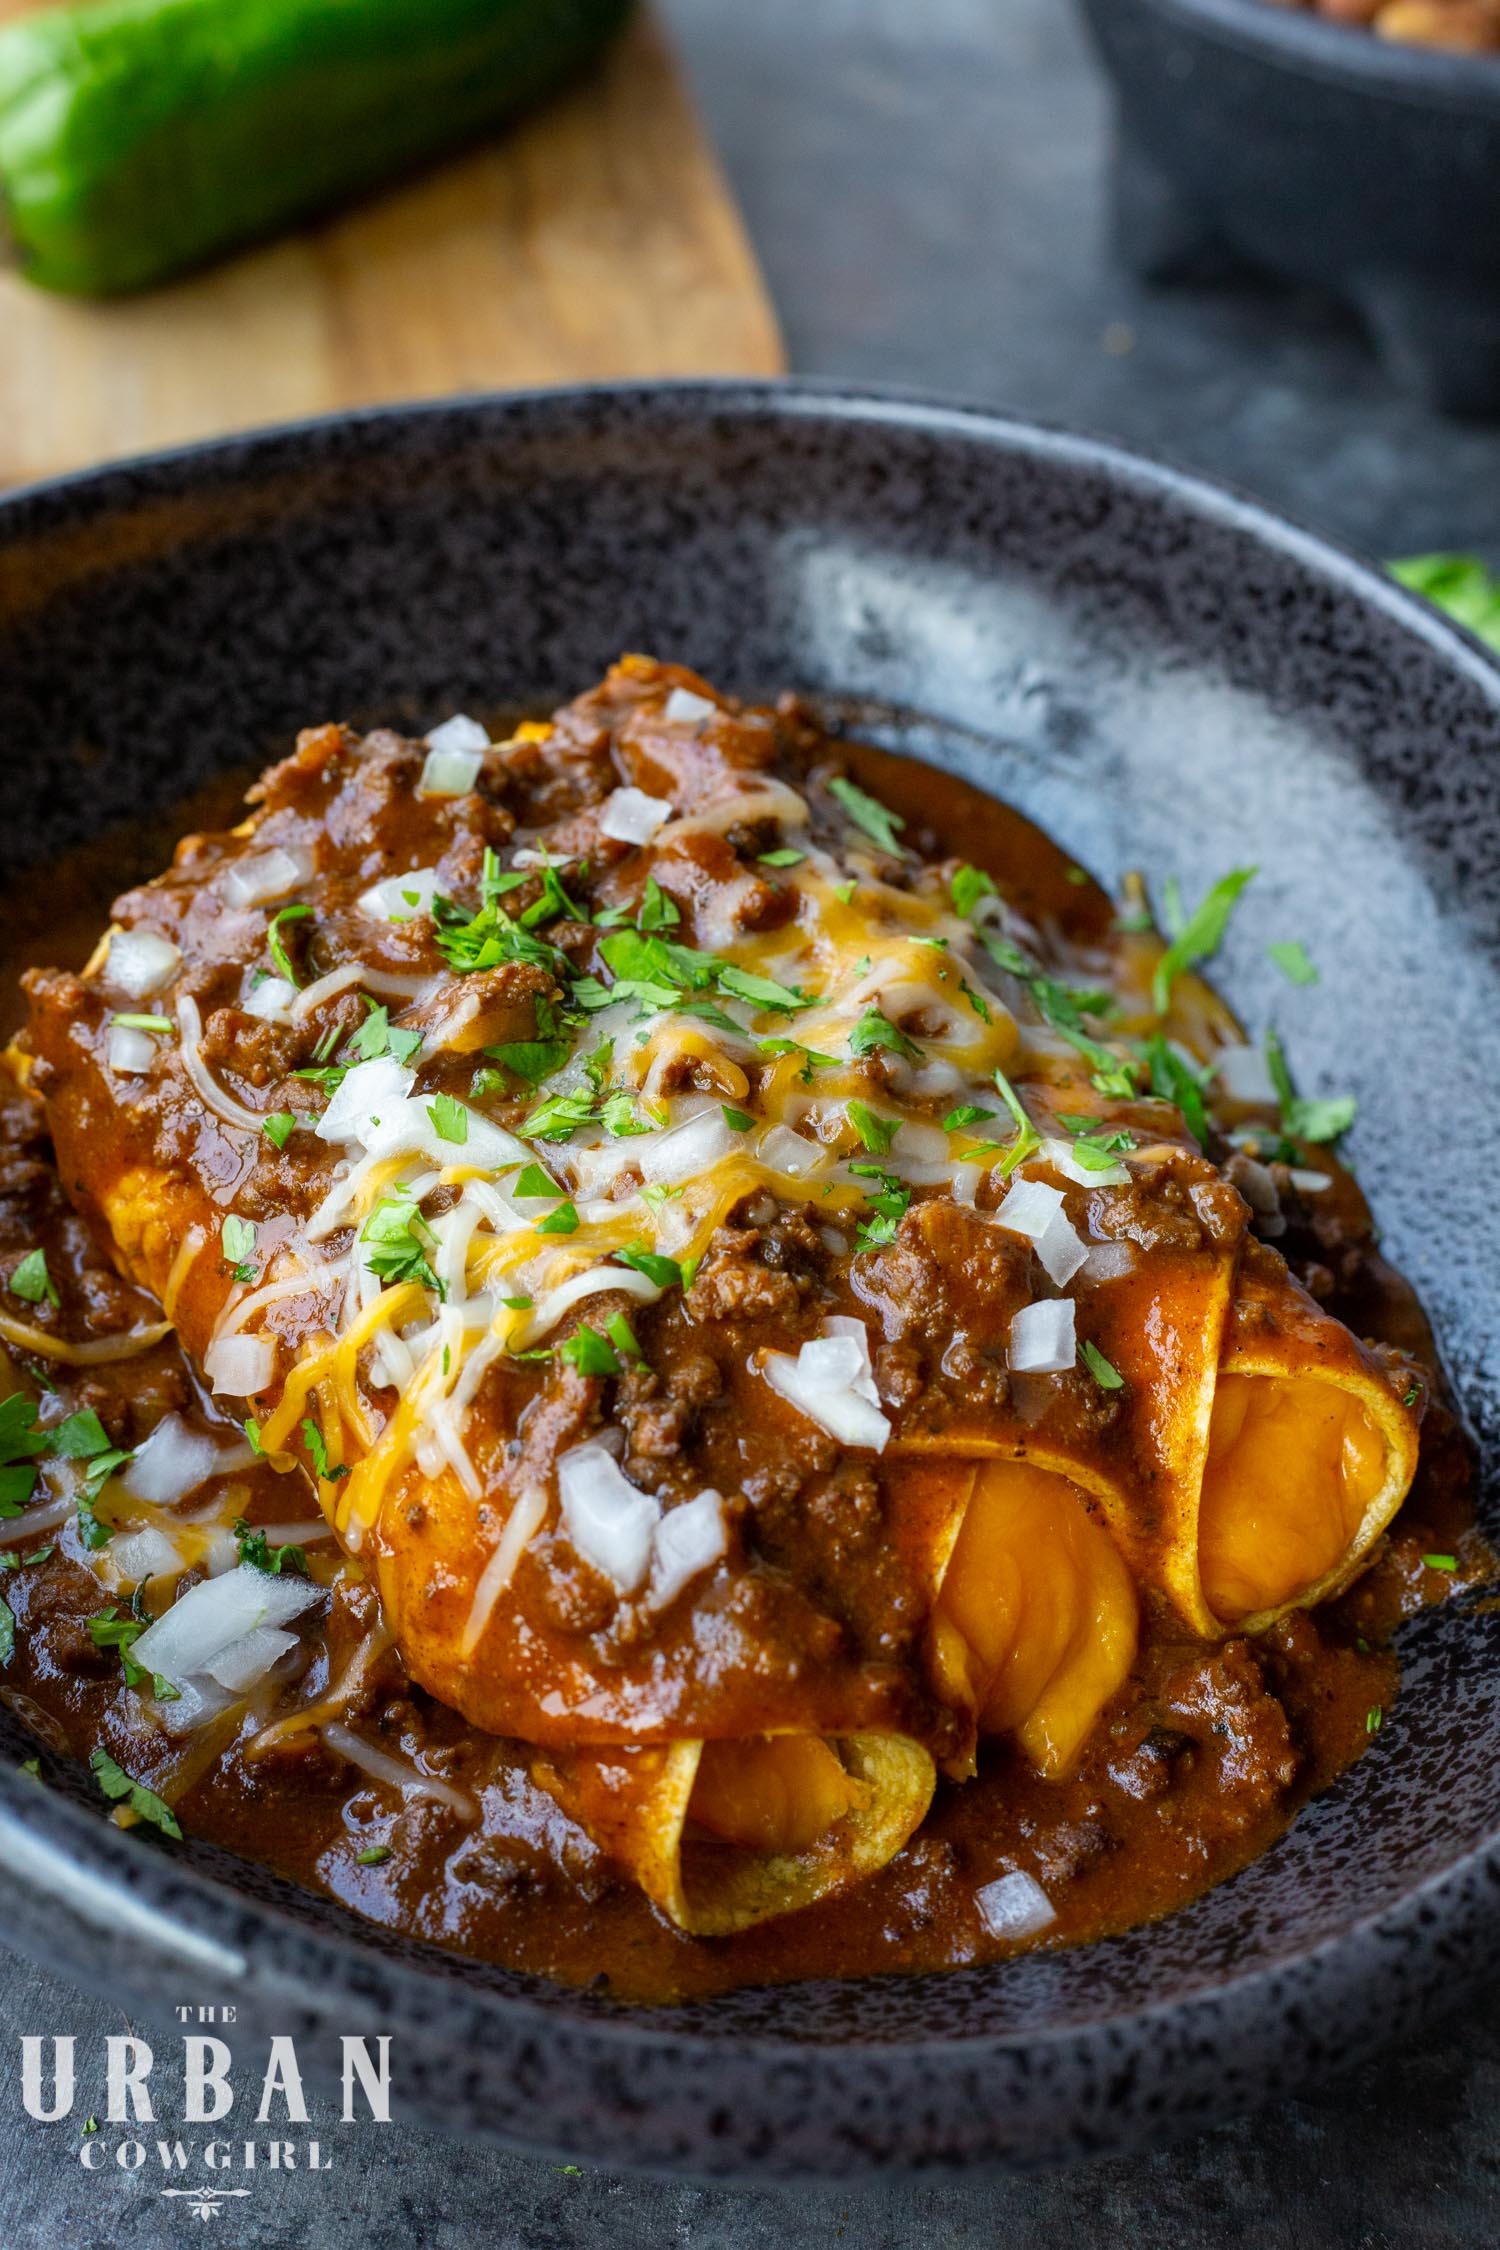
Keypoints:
pixel 1166 677
pixel 1269 137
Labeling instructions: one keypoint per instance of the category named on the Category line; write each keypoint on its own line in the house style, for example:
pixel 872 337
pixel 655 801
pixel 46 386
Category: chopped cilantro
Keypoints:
pixel 876 1133
pixel 1199 936
pixel 589 1352
pixel 378 1036
pixel 1293 961
pixel 875 1030
pixel 761 992
pixel 79 1436
pixel 564 1220
pixel 1461 585
pixel 312 1438
pixel 251 1429
pixel 665 1272
pixel 968 886
pixel 279 1127
pixel 738 1120
pixel 967 1113
pixel 399 1243
pixel 257 1551
pixel 1176 1081
pixel 890 1201
pixel 878 821
pixel 844 892
pixel 1316 1121
pixel 1028 1140
pixel 469 942
pixel 1413 1393
pixel 1105 1375
pixel 658 912
pixel 783 856
pixel 374 1855
pixel 110 1630
pixel 533 1181
pixel 534 1059
pixel 7 1632
pixel 1441 1562
pixel 277 943
pixel 144 1803
pixel 31 1281
pixel 238 1238
pixel 450 1120
pixel 811 1059
pixel 514 1304
pixel 976 1000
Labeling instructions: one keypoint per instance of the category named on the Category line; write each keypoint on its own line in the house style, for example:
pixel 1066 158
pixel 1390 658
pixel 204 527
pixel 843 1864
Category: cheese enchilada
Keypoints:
pixel 773 1312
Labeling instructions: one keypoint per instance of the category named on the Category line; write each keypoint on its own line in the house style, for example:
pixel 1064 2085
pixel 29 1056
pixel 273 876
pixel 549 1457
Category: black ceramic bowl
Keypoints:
pixel 1163 674
pixel 1272 137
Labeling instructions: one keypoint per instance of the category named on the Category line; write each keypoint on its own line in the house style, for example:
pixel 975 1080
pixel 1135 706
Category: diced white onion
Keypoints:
pixel 684 709
pixel 131 1051
pixel 174 1461
pixel 1110 1261
pixel 249 1659
pixel 141 963
pixel 609 1521
pixel 937 1077
pixel 832 1382
pixel 368 1091
pixel 1043 1340
pixel 631 817
pixel 1244 1075
pixel 688 1540
pixel 920 1144
pixel 266 875
pixel 1308 1182
pixel 460 733
pixel 239 1366
pixel 1029 1209
pixel 1059 1154
pixel 684 1150
pixel 195 1703
pixel 400 898
pixel 1014 1906
pixel 215 1613
pixel 141 1555
pixel 1061 1251
pixel 449 773
pixel 271 999
pixel 782 1150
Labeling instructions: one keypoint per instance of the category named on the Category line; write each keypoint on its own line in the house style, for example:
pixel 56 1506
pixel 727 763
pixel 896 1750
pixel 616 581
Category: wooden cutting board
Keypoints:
pixel 596 239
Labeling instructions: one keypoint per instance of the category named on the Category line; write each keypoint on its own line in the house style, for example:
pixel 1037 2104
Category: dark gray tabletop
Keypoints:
pixel 924 180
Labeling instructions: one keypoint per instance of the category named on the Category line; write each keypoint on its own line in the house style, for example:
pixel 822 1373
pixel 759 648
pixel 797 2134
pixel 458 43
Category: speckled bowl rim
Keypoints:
pixel 105 1908
pixel 1295 39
